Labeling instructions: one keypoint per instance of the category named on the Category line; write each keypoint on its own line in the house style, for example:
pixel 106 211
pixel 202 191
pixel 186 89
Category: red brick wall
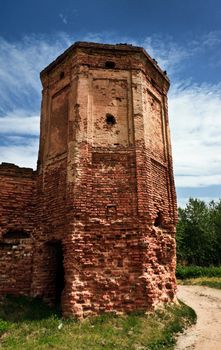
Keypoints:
pixel 17 214
pixel 113 184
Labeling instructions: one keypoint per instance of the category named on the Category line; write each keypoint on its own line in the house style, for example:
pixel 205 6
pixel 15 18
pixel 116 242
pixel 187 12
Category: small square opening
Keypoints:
pixel 110 64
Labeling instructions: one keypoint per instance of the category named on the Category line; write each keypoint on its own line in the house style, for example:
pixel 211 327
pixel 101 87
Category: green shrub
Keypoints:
pixel 4 326
pixel 184 272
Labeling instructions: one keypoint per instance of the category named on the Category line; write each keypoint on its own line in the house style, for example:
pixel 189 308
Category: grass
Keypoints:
pixel 213 282
pixel 28 324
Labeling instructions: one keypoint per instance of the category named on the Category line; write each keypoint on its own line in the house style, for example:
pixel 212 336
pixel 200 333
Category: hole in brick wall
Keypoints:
pixel 111 210
pixel 61 75
pixel 16 234
pixel 110 64
pixel 159 220
pixel 110 119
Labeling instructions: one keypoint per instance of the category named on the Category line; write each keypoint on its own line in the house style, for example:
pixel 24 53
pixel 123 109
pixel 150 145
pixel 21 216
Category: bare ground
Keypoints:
pixel 206 333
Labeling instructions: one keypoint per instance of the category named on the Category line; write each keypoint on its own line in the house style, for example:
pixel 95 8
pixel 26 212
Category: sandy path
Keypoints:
pixel 206 334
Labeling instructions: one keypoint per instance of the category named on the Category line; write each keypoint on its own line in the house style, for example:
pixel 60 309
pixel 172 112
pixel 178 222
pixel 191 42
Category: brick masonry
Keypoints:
pixel 94 226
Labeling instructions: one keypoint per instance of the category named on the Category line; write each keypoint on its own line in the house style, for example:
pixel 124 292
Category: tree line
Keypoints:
pixel 199 233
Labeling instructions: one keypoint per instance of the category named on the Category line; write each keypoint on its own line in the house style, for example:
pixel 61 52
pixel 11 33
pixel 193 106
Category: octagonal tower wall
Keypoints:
pixel 105 181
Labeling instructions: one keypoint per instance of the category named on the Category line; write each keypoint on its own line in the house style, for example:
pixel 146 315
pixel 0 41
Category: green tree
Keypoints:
pixel 215 222
pixel 198 233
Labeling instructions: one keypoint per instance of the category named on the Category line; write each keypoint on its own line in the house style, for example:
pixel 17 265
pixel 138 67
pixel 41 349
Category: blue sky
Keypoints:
pixel 183 36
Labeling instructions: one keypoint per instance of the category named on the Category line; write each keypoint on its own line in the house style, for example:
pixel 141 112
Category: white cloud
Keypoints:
pixel 195 119
pixel 19 122
pixel 21 152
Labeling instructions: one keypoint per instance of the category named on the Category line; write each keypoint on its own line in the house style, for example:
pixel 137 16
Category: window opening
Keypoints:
pixel 110 119
pixel 110 64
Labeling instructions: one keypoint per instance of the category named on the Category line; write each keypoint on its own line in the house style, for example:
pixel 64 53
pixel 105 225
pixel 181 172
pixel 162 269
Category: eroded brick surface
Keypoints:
pixel 101 208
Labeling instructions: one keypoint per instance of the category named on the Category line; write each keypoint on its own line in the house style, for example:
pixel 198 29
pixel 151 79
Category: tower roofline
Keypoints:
pixel 108 47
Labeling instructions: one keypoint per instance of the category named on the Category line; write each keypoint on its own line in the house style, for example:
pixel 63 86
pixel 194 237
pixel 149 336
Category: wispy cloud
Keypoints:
pixel 63 18
pixel 20 94
pixel 20 65
pixel 168 54
pixel 68 15
pixel 209 40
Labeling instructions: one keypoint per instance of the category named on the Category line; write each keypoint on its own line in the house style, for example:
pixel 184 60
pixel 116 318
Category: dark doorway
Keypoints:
pixel 59 273
pixel 55 272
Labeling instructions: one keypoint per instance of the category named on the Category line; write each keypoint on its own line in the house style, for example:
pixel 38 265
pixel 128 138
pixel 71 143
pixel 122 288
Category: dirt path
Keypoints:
pixel 206 334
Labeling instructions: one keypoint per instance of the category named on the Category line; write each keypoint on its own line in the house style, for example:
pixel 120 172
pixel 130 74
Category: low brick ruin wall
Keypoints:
pixel 17 214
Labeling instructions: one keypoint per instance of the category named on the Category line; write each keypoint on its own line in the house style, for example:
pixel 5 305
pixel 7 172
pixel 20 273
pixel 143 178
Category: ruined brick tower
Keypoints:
pixel 94 226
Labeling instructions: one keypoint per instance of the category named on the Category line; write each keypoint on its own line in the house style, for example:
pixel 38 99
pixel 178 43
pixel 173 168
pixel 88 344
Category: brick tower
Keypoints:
pixel 104 236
